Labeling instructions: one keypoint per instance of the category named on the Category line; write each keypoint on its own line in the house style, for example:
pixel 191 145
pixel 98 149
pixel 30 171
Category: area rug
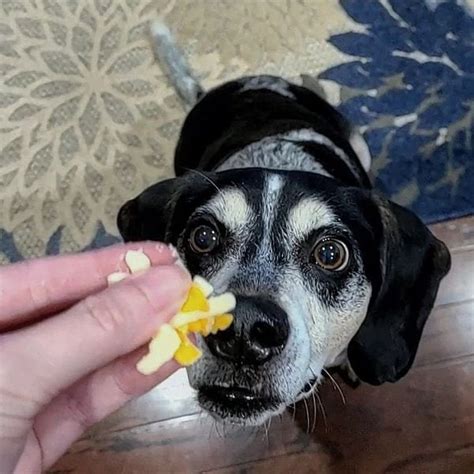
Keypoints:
pixel 88 119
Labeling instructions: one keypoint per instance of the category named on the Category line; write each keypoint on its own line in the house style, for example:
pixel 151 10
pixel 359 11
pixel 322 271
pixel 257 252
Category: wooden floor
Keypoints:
pixel 423 424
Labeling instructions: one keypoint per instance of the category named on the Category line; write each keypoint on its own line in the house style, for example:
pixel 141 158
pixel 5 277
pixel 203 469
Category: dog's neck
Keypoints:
pixel 296 150
pixel 273 153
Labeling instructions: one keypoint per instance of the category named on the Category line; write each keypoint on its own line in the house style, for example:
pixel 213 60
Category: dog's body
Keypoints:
pixel 272 201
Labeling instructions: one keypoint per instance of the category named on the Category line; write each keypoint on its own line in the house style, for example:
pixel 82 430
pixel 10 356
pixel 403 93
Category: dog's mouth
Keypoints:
pixel 235 403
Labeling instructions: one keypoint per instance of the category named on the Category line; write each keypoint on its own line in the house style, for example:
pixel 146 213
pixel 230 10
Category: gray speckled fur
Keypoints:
pixel 272 153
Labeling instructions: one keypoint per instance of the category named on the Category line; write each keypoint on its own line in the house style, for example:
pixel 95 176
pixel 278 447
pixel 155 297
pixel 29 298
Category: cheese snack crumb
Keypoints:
pixel 137 261
pixel 116 277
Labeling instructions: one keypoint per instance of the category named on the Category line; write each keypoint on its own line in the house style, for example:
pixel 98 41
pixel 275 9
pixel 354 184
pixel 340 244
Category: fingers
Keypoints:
pixel 53 354
pixel 89 401
pixel 36 288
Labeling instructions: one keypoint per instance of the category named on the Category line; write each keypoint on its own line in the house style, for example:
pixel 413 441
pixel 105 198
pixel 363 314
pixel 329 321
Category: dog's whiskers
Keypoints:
pixel 307 414
pixel 336 386
pixel 323 411
pixel 314 374
pixel 293 409
pixel 267 427
pixel 201 417
pixel 224 429
pixel 211 428
pixel 270 423
pixel 219 434
pixel 202 175
pixel 315 412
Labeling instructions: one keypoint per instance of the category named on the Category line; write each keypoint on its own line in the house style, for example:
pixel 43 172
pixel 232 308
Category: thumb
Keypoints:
pixel 48 357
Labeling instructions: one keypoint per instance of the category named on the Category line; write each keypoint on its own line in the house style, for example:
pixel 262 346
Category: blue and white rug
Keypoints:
pixel 411 89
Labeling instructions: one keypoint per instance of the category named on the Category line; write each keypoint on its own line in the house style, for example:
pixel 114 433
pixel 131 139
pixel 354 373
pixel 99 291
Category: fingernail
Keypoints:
pixel 176 256
pixel 173 251
pixel 161 247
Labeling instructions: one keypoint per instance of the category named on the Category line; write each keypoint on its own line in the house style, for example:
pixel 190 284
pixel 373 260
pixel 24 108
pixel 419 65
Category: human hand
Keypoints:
pixel 69 346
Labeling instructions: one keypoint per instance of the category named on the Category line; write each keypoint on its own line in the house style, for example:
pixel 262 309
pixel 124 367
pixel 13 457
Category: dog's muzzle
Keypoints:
pixel 258 334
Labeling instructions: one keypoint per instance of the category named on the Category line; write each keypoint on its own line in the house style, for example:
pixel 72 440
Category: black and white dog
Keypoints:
pixel 272 201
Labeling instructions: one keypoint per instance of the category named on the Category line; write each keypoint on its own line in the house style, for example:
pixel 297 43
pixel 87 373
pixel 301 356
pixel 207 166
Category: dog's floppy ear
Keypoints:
pixel 158 210
pixel 413 262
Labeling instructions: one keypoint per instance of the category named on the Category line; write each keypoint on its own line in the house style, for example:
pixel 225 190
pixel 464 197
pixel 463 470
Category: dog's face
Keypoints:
pixel 318 269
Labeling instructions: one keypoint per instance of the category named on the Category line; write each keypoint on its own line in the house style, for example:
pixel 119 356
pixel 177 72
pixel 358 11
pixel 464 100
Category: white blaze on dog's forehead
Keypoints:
pixel 271 195
pixel 274 184
pixel 231 208
pixel 307 215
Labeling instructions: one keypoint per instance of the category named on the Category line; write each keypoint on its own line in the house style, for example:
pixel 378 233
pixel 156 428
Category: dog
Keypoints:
pixel 272 201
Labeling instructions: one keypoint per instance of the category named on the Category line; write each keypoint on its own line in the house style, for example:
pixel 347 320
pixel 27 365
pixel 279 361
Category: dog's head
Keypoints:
pixel 319 269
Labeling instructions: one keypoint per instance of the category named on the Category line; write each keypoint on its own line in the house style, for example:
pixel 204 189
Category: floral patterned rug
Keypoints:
pixel 88 119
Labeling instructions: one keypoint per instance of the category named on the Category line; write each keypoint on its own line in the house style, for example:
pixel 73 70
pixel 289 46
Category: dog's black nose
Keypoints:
pixel 259 332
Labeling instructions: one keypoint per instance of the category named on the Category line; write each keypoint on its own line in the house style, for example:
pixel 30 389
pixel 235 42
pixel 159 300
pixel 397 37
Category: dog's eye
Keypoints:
pixel 331 254
pixel 203 239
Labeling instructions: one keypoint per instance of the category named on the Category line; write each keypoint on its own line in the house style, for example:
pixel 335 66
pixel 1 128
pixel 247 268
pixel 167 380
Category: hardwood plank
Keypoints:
pixel 449 333
pixel 428 415
pixel 309 461
pixel 456 234
pixel 173 398
pixel 458 285
pixel 460 461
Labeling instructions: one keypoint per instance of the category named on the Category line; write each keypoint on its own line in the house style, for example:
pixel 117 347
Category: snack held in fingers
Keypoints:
pixel 201 313
pixel 116 277
pixel 137 261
